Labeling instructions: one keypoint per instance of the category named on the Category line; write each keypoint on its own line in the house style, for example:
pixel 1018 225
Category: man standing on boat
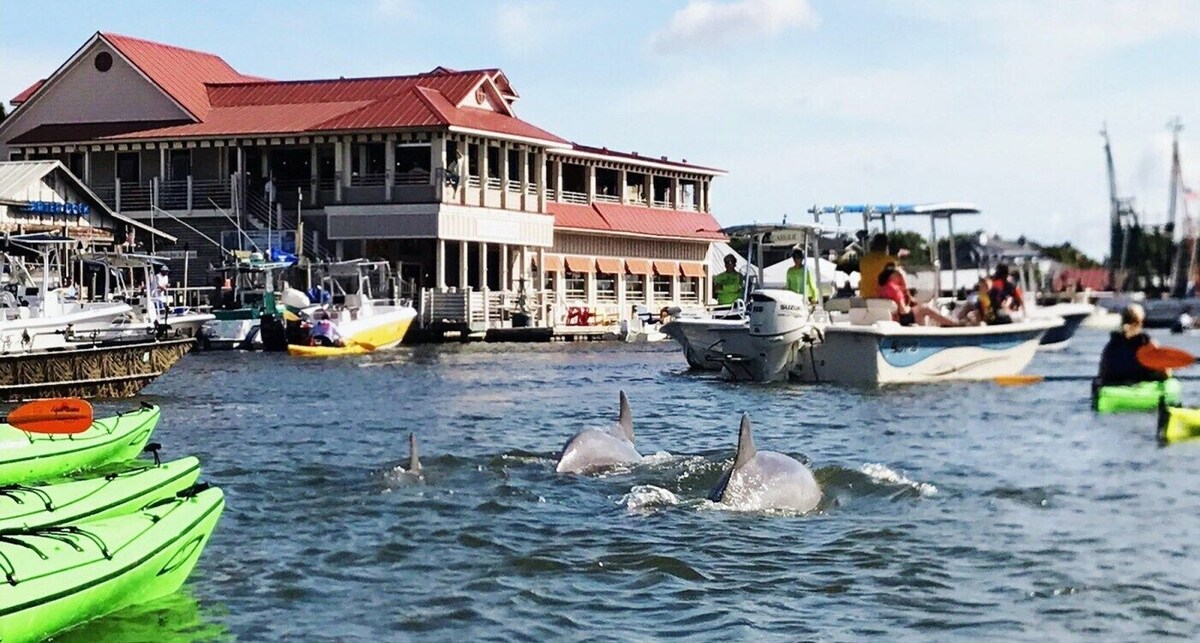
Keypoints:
pixel 727 286
pixel 800 279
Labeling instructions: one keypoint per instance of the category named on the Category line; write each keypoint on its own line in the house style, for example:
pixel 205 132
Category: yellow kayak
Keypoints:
pixel 1178 424
pixel 326 351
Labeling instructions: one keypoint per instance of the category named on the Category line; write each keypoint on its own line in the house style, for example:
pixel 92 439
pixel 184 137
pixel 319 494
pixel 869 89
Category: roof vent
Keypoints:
pixel 683 161
pixel 634 153
pixel 663 158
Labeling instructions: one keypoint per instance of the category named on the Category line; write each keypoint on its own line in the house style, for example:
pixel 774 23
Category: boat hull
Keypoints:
pixel 1073 316
pixel 106 370
pixel 887 353
pixel 383 329
pixel 701 340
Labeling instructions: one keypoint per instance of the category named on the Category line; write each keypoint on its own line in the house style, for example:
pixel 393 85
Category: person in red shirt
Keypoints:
pixel 908 312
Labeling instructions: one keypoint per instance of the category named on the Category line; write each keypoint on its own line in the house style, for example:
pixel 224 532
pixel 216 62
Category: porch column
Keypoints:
pixel 675 289
pixel 648 284
pixel 591 183
pixel 621 294
pixel 314 174
pixel 540 168
pixel 483 270
pixel 504 267
pixel 265 163
pixel 558 182
pixel 348 162
pixel 339 249
pixel 162 161
pixel 483 171
pixel 621 177
pixel 389 165
pixel 462 266
pixel 87 166
pixel 523 172
pixel 648 189
pixel 541 259
pixel 362 161
pixel 339 169
pixel 523 275
pixel 504 175
pixel 675 193
pixel 441 264
pixel 437 165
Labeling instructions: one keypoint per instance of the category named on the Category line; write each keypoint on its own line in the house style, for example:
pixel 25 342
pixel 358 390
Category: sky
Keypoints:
pixel 802 101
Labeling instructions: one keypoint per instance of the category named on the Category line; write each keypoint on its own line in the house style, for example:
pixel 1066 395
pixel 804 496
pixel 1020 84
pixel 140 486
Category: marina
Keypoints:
pixel 443 336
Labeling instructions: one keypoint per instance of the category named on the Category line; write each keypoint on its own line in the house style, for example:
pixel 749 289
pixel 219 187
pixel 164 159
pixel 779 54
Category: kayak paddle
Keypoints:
pixel 1162 358
pixel 60 416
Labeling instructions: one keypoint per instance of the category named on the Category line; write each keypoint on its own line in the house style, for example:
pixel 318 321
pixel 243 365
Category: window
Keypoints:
pixel 662 287
pixel 689 289
pixel 576 285
pixel 635 288
pixel 606 286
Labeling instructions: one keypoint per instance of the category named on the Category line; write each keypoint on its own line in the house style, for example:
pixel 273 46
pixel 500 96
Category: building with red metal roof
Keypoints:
pixel 433 171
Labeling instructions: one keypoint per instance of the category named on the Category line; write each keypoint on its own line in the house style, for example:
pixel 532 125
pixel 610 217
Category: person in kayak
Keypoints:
pixel 800 279
pixel 324 331
pixel 908 311
pixel 1118 360
pixel 727 286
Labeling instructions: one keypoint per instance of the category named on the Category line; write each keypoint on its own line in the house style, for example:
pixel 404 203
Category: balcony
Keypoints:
pixel 188 194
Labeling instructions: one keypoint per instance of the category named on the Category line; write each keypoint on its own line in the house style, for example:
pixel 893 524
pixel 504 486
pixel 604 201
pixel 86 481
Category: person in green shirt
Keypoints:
pixel 799 279
pixel 727 286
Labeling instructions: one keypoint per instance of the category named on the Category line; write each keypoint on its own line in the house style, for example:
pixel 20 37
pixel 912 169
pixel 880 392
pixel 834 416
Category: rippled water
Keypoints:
pixel 950 511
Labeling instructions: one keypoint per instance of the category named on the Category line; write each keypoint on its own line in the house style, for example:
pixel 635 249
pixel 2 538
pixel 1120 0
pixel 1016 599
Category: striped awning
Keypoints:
pixel 692 269
pixel 580 264
pixel 637 266
pixel 666 268
pixel 608 266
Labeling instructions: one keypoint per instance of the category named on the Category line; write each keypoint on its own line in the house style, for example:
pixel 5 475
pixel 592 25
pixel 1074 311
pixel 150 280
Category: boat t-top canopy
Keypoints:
pixel 42 239
pixel 781 234
pixel 352 267
pixel 934 211
pixel 123 260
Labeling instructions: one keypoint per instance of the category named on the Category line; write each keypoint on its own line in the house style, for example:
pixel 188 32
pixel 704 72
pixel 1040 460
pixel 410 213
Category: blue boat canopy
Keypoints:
pixel 899 209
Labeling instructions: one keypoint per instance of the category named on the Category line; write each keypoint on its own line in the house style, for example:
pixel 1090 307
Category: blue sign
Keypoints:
pixel 52 207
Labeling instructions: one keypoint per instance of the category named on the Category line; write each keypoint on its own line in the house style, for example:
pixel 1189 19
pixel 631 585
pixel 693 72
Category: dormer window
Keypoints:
pixel 103 61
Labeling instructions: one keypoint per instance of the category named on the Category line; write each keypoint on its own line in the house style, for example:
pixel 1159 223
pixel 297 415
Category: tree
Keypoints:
pixel 1067 255
pixel 3 114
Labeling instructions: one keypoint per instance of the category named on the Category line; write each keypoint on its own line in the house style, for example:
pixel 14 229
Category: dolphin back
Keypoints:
pixel 595 449
pixel 745 453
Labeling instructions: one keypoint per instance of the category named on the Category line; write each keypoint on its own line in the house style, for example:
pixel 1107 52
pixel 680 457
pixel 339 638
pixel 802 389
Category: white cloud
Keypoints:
pixel 704 23
pixel 395 8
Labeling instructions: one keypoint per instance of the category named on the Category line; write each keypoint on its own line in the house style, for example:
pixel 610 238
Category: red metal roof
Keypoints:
pixel 26 93
pixel 611 217
pixel 181 73
pixel 661 160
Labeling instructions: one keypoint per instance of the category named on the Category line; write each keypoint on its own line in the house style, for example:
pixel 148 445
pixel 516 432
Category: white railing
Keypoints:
pixel 514 186
pixel 473 181
pixel 531 189
pixel 493 183
pixel 608 198
pixel 412 178
pixel 661 204
pixel 573 197
pixel 367 180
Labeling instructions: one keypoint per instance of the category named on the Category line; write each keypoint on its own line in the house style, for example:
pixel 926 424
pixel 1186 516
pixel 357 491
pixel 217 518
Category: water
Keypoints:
pixel 950 511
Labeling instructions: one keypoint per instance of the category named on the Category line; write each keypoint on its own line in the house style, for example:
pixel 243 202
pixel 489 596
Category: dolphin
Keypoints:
pixel 762 480
pixel 593 449
pixel 414 462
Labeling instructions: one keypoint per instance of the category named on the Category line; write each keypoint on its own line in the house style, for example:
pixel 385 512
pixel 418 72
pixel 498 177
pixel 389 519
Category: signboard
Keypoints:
pixel 53 207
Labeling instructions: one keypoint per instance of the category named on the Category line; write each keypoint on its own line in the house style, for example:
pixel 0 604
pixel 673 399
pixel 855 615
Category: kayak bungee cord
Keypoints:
pixel 11 491
pixel 62 534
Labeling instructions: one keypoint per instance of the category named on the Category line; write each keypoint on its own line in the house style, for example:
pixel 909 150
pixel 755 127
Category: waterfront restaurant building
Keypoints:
pixel 477 210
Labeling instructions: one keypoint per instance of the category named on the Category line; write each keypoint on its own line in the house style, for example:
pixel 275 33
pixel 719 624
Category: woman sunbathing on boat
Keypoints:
pixel 908 311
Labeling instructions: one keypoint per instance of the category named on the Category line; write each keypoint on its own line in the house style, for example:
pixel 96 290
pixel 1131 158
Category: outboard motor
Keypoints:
pixel 779 323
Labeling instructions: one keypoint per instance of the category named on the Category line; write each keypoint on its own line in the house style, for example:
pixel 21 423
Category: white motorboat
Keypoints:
pixel 700 336
pixel 364 322
pixel 149 314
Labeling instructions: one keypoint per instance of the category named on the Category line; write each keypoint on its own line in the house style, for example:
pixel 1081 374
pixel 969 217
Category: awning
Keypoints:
pixel 580 264
pixel 692 269
pixel 608 266
pixel 637 266
pixel 666 268
pixel 554 263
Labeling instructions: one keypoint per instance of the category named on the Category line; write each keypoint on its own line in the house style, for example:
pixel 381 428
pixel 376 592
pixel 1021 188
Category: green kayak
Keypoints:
pixel 55 578
pixel 1143 396
pixel 114 494
pixel 31 457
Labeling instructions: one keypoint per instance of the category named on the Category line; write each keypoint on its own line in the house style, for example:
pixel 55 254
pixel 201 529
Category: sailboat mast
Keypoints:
pixel 1179 278
pixel 1116 235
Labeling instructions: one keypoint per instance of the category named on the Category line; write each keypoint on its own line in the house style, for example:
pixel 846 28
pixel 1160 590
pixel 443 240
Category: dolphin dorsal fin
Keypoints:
pixel 625 420
pixel 414 461
pixel 745 448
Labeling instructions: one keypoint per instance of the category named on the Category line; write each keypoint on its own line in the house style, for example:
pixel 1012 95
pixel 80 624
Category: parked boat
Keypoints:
pixel 26 457
pixel 88 369
pixel 149 314
pixel 1073 317
pixel 363 321
pixel 61 576
pixel 248 314
pixel 74 500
